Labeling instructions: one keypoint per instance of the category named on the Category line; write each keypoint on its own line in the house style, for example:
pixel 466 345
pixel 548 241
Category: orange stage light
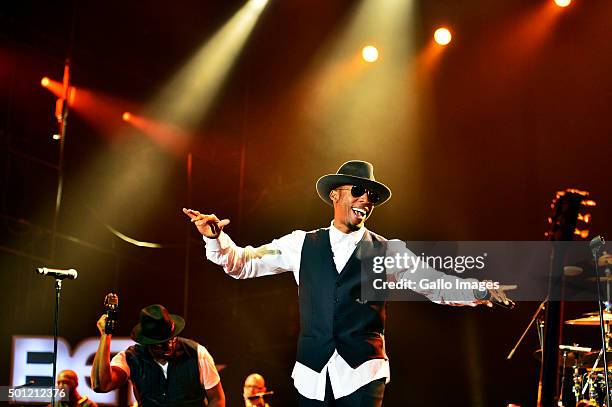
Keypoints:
pixel 55 87
pixel 126 116
pixel 102 111
pixel 443 36
pixel 170 137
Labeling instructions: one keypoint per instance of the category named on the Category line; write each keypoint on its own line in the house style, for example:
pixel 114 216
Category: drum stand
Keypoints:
pixel 539 327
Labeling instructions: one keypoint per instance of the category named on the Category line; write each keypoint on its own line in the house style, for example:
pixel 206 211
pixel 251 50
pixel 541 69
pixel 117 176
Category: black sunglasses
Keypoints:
pixel 358 190
pixel 164 345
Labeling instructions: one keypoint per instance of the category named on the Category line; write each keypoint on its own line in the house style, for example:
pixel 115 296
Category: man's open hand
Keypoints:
pixel 499 296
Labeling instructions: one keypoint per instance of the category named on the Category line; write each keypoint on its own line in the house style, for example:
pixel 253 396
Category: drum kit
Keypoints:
pixel 588 381
pixel 587 364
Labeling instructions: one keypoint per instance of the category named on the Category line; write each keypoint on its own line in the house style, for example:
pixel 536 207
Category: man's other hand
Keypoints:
pixel 208 225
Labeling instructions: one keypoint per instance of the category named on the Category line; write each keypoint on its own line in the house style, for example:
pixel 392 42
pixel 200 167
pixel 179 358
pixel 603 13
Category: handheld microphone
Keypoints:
pixel 70 274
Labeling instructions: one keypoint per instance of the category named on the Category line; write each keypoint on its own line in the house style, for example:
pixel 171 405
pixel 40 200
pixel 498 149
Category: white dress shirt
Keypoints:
pixel 284 254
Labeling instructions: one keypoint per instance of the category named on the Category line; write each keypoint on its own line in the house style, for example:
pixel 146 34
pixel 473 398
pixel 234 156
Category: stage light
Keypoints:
pixel 259 4
pixel 170 137
pixel 563 3
pixel 347 90
pixel 442 36
pixel 45 82
pixel 369 53
pixel 187 97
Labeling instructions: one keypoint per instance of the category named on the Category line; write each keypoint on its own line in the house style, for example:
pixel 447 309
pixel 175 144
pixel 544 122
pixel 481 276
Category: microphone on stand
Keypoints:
pixel 70 274
pixel 596 243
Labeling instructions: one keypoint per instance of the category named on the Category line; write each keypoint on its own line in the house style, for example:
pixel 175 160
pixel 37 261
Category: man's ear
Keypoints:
pixel 333 195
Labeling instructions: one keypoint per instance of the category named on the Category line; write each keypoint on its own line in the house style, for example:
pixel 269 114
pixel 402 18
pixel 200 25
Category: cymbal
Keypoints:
pixel 571 359
pixel 601 279
pixel 605 259
pixel 589 359
pixel 590 319
pixel 596 313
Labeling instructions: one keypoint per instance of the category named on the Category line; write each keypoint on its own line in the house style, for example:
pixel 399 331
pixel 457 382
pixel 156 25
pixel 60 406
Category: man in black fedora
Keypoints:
pixel 341 358
pixel 165 369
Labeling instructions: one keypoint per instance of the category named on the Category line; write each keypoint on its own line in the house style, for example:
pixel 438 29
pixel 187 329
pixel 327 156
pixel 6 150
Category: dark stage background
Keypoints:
pixel 500 127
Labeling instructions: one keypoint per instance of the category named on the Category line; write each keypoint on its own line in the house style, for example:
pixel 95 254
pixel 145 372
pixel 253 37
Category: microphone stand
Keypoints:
pixel 58 289
pixel 533 319
pixel 604 348
pixel 595 246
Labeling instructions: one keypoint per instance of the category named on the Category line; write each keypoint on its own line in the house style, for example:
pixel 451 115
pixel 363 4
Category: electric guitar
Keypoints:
pixel 567 222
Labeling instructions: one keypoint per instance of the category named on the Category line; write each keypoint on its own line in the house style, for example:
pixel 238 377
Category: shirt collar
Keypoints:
pixel 336 236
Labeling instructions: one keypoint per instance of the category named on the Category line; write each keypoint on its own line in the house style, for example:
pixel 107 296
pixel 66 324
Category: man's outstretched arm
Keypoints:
pixel 105 378
pixel 454 295
pixel 276 257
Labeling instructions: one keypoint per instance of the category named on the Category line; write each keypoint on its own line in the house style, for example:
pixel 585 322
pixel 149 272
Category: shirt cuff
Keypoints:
pixel 212 244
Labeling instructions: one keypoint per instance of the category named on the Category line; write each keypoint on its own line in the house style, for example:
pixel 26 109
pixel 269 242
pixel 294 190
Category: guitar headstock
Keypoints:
pixel 570 216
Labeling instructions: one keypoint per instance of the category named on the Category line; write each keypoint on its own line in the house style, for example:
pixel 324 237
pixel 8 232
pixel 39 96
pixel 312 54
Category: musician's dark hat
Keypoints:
pixel 353 172
pixel 157 325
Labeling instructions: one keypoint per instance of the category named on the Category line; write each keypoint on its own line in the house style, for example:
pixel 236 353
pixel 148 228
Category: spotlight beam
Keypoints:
pixel 188 96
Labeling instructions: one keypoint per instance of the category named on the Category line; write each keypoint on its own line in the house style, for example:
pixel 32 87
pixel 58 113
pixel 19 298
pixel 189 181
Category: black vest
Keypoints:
pixel 181 388
pixel 332 315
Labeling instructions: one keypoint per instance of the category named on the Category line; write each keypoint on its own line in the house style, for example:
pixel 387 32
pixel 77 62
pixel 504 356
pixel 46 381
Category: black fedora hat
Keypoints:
pixel 353 172
pixel 157 325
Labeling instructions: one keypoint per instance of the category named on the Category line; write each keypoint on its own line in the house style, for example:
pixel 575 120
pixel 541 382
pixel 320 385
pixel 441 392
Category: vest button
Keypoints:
pixel 338 284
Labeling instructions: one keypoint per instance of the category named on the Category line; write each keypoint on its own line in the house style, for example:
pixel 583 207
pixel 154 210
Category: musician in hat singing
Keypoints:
pixel 165 369
pixel 341 358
